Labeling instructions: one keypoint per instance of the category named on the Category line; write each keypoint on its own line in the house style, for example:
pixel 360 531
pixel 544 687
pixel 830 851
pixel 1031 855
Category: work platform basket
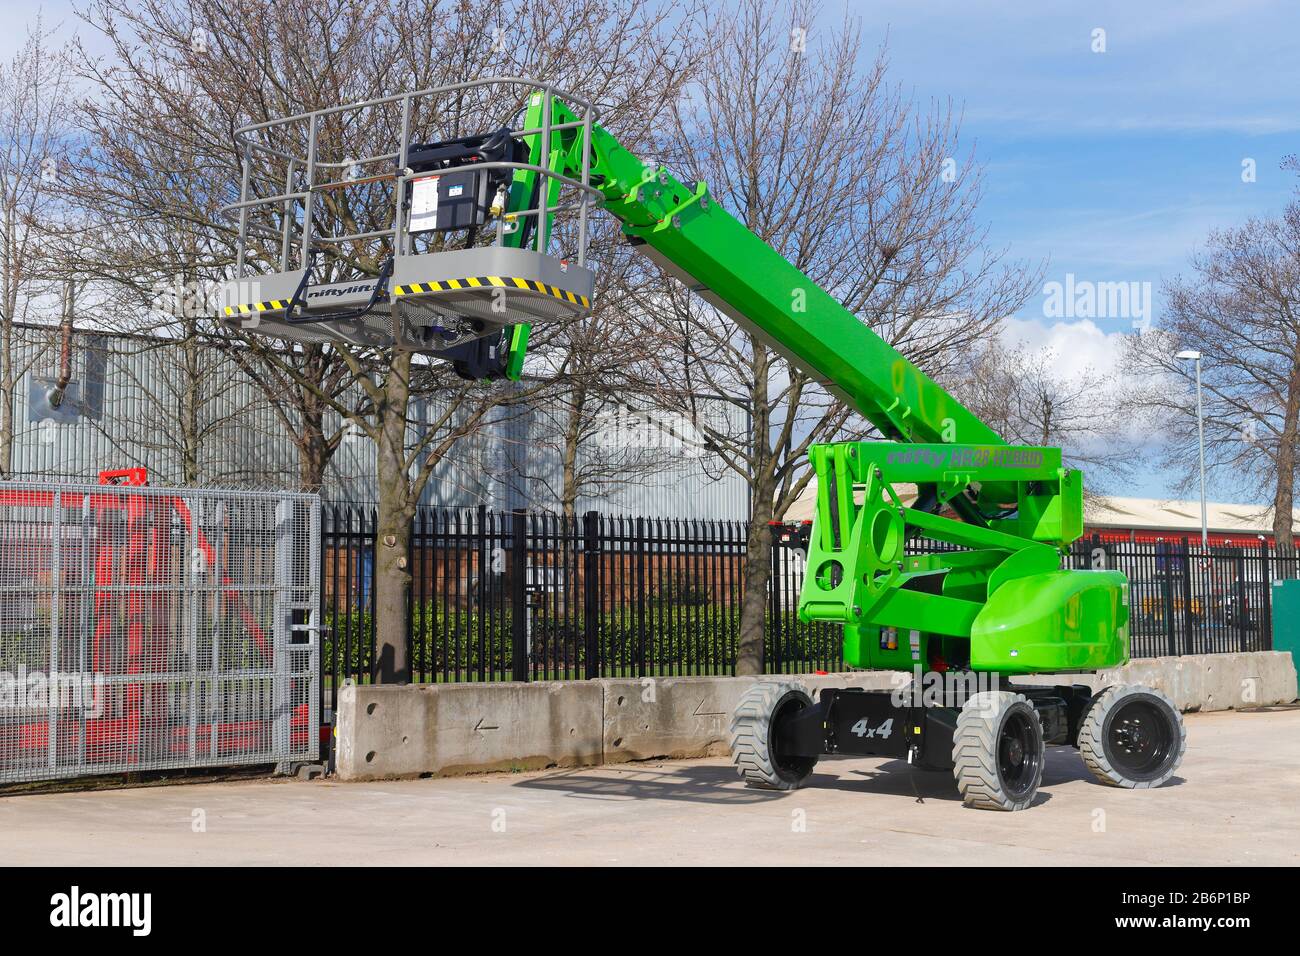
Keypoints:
pixel 411 245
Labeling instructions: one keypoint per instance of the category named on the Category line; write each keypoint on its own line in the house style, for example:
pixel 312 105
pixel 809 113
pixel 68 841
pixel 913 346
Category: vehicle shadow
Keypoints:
pixel 719 784
pixel 1064 765
pixel 695 783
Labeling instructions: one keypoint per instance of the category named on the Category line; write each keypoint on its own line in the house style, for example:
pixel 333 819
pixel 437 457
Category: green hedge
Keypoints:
pixel 699 640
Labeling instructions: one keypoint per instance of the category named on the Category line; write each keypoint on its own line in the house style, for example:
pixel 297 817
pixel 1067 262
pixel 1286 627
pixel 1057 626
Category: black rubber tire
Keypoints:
pixel 1107 728
pixel 988 775
pixel 752 736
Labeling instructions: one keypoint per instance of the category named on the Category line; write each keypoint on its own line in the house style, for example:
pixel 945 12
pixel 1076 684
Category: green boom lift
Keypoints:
pixel 960 621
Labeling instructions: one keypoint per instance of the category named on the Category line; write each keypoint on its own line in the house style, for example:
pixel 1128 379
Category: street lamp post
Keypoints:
pixel 1193 355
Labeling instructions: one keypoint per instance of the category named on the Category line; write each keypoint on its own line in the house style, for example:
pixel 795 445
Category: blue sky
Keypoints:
pixel 1112 166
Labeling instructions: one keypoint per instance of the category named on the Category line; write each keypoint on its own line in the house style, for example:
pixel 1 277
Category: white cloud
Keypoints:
pixel 1082 345
pixel 1076 346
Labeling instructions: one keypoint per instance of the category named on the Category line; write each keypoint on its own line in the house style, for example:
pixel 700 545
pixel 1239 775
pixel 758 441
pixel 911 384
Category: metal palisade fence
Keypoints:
pixel 533 596
pixel 1185 599
pixel 146 628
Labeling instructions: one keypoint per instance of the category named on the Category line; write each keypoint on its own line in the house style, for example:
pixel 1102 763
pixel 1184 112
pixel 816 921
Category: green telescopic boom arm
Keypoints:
pixel 693 238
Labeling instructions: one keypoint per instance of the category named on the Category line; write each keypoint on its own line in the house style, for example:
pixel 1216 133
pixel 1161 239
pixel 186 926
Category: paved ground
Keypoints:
pixel 1237 800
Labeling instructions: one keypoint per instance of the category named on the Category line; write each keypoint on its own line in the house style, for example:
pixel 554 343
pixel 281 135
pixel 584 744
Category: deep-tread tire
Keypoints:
pixel 1096 726
pixel 976 751
pixel 752 736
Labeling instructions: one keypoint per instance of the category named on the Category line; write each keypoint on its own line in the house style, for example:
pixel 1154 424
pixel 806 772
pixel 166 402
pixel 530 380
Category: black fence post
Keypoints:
pixel 519 594
pixel 640 598
pixel 1243 612
pixel 591 603
pixel 1265 598
pixel 1167 573
pixel 1189 619
pixel 323 632
pixel 410 603
pixel 372 578
pixel 349 604
pixel 480 591
pixel 774 653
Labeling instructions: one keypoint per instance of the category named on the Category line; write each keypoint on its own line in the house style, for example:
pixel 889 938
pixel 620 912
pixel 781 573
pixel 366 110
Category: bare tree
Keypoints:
pixel 1021 395
pixel 158 167
pixel 1241 310
pixel 596 429
pixel 869 197
pixel 185 73
pixel 183 400
pixel 187 412
pixel 34 95
pixel 312 423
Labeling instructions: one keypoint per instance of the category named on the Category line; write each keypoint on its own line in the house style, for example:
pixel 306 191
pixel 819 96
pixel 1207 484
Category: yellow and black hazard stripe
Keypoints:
pixel 478 282
pixel 249 309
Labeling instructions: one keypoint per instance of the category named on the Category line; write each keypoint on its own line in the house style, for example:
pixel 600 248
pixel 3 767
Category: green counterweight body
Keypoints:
pixel 999 601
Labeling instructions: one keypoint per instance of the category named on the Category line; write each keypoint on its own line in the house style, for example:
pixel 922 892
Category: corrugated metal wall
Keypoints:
pixel 123 410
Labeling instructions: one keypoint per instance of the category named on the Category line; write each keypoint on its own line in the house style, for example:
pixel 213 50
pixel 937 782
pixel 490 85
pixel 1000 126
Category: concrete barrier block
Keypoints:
pixel 382 731
pixel 669 716
pixel 689 716
pixel 1181 679
pixel 1221 679
pixel 450 729
pixel 1278 684
pixel 1208 682
pixel 443 729
pixel 1198 682
pixel 1254 679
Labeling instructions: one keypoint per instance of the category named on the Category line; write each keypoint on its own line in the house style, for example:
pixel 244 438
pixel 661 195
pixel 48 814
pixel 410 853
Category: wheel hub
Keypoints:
pixel 1018 754
pixel 1139 738
pixel 1132 736
pixel 792 764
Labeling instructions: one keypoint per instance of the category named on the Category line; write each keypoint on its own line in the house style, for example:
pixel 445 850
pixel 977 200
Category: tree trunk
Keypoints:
pixel 1284 491
pixel 313 449
pixel 758 551
pixel 191 388
pixel 572 433
pixel 758 572
pixel 1283 503
pixel 392 610
pixel 7 389
pixel 9 269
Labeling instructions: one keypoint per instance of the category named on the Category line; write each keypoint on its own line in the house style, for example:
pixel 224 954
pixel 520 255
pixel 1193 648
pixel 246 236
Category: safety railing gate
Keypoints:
pixel 145 628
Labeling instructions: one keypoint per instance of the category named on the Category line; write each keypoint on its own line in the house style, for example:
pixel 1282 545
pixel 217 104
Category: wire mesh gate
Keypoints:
pixel 146 628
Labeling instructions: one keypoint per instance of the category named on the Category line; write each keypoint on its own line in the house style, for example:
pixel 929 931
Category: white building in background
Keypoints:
pixel 123 409
pixel 1149 519
pixel 1138 520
